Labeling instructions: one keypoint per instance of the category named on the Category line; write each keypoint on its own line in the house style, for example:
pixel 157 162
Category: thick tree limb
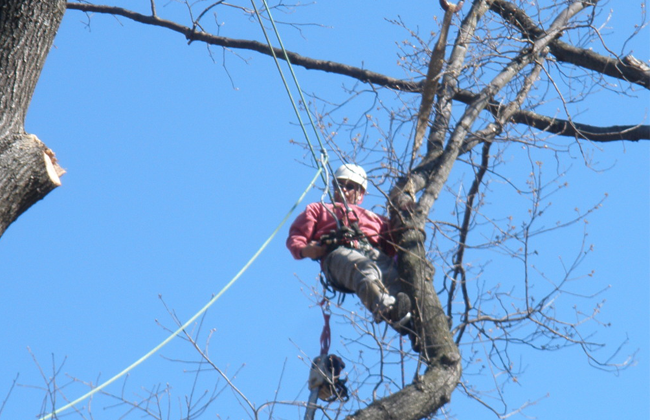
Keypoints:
pixel 485 97
pixel 28 172
pixel 416 401
pixel 432 174
pixel 309 63
pixel 583 131
pixel 431 324
pixel 25 46
pixel 430 86
pixel 562 127
pixel 627 68
pixel 540 122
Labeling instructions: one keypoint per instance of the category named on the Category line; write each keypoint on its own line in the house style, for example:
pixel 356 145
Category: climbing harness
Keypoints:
pixel 349 237
pixel 331 288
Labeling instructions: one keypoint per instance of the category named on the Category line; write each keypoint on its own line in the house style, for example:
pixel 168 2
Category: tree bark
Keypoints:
pixel 28 169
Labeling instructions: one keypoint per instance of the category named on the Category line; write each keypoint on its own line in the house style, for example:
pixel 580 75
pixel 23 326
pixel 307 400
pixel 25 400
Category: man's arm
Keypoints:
pixel 313 250
pixel 301 241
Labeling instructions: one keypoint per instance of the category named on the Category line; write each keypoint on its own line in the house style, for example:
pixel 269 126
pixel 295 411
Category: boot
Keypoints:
pixel 400 314
pixel 394 310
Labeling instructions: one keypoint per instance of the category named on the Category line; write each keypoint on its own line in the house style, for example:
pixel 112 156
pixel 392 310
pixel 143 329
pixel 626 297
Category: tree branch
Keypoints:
pixel 430 87
pixel 564 127
pixel 627 68
pixel 296 59
pixel 540 122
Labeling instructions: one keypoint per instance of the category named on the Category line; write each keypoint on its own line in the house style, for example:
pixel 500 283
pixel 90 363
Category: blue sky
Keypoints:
pixel 179 169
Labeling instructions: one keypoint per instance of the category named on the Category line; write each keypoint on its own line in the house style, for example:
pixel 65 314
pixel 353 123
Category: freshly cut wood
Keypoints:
pixel 28 168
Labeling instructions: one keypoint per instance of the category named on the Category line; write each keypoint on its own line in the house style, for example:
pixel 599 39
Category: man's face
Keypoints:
pixel 352 191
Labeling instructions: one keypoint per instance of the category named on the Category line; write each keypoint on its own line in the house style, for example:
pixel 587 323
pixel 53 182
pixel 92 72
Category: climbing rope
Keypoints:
pixel 197 315
pixel 324 157
pixel 324 375
pixel 323 162
pixel 323 171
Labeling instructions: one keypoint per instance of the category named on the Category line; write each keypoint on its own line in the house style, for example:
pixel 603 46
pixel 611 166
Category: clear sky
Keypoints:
pixel 180 167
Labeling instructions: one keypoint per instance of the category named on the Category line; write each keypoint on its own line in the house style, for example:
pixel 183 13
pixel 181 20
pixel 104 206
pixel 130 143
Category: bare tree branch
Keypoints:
pixel 297 59
pixel 628 68
pixel 540 122
pixel 431 81
pixel 562 127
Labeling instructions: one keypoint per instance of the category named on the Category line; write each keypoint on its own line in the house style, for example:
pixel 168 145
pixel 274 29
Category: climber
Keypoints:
pixel 353 247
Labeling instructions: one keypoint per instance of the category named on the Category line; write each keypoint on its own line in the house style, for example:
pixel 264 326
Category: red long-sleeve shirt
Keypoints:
pixel 316 221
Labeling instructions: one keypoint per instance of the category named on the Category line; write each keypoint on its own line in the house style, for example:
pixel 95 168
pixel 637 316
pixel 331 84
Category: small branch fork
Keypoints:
pixel 448 6
pixel 458 276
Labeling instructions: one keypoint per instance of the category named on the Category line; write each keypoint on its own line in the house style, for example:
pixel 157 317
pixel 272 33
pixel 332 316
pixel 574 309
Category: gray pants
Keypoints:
pixel 367 274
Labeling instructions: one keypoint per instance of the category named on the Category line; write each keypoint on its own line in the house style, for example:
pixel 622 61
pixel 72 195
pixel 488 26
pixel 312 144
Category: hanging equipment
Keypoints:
pixel 325 373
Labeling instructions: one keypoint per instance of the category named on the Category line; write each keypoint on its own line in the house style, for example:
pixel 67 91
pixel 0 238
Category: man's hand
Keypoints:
pixel 313 250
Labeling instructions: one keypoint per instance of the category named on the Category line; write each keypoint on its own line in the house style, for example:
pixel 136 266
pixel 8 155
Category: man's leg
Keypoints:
pixel 388 268
pixel 352 270
pixel 355 271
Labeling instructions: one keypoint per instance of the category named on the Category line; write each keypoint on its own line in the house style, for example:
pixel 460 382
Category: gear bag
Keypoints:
pixel 325 374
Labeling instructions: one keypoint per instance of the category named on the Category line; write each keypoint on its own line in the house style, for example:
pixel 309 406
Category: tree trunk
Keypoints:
pixel 429 392
pixel 28 169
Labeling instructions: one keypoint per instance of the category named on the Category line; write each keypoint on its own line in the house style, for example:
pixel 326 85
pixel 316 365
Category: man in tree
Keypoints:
pixel 354 247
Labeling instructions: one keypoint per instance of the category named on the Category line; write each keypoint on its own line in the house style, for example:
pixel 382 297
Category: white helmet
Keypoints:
pixel 354 173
